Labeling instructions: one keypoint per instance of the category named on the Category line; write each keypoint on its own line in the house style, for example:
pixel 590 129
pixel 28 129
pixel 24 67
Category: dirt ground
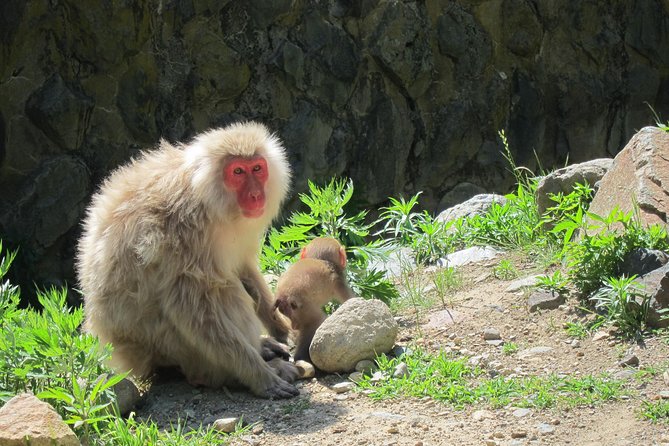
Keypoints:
pixel 319 416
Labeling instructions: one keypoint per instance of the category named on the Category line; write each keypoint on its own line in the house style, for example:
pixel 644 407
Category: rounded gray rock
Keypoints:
pixel 359 329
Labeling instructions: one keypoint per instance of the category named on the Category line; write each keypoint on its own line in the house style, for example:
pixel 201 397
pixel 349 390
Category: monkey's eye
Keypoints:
pixel 257 168
pixel 293 305
pixel 238 171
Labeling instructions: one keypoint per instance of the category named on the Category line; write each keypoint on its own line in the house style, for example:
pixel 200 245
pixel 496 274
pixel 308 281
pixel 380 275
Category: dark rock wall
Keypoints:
pixel 401 96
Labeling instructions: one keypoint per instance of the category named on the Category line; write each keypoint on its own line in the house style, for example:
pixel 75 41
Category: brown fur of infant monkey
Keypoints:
pixel 310 283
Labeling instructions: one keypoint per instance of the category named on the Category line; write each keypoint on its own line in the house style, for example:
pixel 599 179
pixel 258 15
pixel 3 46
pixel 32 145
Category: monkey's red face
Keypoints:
pixel 247 177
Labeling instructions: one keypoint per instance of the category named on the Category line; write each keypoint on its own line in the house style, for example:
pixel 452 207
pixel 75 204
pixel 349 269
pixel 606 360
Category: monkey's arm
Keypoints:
pixel 304 338
pixel 220 325
pixel 257 287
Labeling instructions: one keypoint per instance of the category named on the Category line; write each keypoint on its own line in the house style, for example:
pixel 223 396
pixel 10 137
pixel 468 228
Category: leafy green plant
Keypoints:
pixel 87 404
pixel 505 270
pixel 400 221
pixel 655 411
pixel 446 280
pixel 509 348
pixel 598 256
pixel 625 304
pixel 556 282
pixel 326 216
pixel 658 121
pixel 426 236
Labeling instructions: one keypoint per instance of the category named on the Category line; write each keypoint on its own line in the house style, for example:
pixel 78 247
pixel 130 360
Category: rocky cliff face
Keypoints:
pixel 401 96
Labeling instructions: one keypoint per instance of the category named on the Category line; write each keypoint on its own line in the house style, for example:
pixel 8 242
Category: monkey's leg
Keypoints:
pixel 220 325
pixel 256 286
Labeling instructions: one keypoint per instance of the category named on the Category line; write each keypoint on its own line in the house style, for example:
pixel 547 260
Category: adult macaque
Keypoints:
pixel 310 283
pixel 168 261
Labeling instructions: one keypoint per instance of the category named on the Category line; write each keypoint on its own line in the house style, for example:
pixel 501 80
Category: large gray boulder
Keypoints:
pixel 477 205
pixel 359 329
pixel 656 284
pixel 563 180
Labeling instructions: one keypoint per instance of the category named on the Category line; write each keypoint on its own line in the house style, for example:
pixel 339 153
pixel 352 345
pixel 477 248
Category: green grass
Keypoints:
pixel 505 270
pixel 655 411
pixel 509 348
pixel 129 432
pixel 452 381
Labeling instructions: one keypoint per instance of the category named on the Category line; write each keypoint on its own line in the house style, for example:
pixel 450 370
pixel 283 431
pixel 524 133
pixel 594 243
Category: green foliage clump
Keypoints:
pixel 452 381
pixel 655 411
pixel 326 216
pixel 598 256
pixel 427 237
pixel 625 304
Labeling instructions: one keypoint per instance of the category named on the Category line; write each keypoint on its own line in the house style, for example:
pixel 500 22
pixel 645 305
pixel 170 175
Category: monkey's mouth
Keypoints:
pixel 253 213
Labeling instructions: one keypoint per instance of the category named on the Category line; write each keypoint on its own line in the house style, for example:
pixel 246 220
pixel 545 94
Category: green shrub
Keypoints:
pixel 598 256
pixel 326 216
pixel 625 305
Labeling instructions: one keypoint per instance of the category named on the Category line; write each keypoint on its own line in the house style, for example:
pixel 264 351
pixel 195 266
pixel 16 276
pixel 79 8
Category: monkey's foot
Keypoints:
pixel 271 349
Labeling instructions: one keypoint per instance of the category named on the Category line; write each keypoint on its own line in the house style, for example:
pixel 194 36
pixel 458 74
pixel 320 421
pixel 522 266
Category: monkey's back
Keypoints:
pixel 133 246
pixel 312 279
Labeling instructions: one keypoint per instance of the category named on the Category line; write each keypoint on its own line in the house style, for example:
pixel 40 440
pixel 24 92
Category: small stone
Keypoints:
pixel 400 350
pixel 520 413
pixel 544 300
pixel 491 443
pixel 356 377
pixel 226 425
pixel 377 376
pixel 665 377
pixel 625 374
pixel 600 335
pixel 534 351
pixel 575 343
pixel 479 415
pixel 498 434
pixel 343 387
pixel 366 367
pixel 495 342
pixel 127 396
pixel 258 429
pixel 518 434
pixel 393 430
pixel 664 394
pixel 491 334
pixel 545 429
pixel 305 369
pixel 401 370
pixel 629 361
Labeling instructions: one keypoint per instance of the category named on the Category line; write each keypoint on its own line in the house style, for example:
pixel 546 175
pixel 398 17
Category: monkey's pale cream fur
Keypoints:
pixel 168 266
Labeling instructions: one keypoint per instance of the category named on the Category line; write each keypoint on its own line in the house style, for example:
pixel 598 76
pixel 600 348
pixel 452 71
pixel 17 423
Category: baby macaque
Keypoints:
pixel 310 283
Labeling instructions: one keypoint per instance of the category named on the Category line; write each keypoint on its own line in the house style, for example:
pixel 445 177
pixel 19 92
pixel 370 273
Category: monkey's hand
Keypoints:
pixel 280 387
pixel 286 370
pixel 271 349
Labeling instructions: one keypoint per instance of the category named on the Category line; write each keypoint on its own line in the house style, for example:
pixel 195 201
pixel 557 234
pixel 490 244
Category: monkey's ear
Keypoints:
pixel 303 253
pixel 342 257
